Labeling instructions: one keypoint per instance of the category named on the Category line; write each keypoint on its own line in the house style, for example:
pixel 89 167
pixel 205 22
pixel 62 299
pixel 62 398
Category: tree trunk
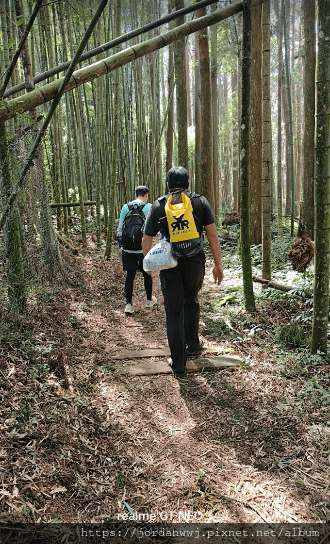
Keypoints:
pixel 81 176
pixel 286 146
pixel 189 115
pixel 226 152
pixel 215 138
pixel 141 122
pixel 54 125
pixel 198 121
pixel 181 93
pixel 100 150
pixel 50 246
pixel 129 139
pixel 266 143
pixel 290 120
pixel 16 286
pixel 235 158
pixel 170 117
pixel 281 287
pixel 206 115
pixel 99 169
pixel 309 116
pixel 244 162
pixel 322 184
pixel 279 122
pixel 115 141
pixel 239 105
pixel 256 127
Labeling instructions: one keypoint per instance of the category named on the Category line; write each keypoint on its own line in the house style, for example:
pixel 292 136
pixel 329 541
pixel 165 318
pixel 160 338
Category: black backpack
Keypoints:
pixel 182 250
pixel 132 229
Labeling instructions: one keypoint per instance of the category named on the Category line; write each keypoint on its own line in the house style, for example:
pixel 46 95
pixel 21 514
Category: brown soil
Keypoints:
pixel 80 443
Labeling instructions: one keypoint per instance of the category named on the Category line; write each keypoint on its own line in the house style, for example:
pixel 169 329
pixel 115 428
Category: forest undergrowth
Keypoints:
pixel 82 443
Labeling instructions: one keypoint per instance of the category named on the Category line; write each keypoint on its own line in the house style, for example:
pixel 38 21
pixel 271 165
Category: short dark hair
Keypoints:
pixel 177 177
pixel 141 190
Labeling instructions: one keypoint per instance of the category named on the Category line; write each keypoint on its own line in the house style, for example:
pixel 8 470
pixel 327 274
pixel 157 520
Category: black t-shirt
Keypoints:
pixel 156 219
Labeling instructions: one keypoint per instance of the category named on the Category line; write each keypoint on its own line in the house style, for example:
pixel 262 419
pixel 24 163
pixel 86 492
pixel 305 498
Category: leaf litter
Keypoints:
pixel 80 443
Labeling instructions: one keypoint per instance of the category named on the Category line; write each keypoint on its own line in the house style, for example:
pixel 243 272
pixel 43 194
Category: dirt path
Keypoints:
pixel 82 444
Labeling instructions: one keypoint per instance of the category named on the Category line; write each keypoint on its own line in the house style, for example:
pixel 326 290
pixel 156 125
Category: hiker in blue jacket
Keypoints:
pixel 129 235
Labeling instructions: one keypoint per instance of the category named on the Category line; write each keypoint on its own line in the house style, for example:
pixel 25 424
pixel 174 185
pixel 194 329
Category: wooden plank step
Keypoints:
pixel 154 352
pixel 193 365
pixel 140 353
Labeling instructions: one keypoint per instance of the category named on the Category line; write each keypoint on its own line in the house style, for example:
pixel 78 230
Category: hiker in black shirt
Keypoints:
pixel 181 285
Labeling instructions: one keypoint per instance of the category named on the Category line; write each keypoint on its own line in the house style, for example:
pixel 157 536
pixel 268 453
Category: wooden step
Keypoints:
pixel 197 364
pixel 156 352
pixel 140 353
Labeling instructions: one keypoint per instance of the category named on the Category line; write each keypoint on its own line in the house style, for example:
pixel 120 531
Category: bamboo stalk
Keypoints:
pixel 244 160
pixel 72 204
pixel 21 44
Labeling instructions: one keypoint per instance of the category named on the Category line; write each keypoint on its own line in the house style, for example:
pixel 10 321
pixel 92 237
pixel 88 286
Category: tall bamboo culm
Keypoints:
pixel 244 161
pixel 266 143
pixel 115 141
pixel 322 184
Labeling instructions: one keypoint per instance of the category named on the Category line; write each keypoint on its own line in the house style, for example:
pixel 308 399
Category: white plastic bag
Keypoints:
pixel 159 257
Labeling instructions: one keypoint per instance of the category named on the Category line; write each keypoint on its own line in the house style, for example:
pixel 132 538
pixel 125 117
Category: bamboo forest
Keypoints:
pixel 178 400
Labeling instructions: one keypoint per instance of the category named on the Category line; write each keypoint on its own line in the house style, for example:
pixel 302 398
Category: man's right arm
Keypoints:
pixel 146 244
pixel 150 229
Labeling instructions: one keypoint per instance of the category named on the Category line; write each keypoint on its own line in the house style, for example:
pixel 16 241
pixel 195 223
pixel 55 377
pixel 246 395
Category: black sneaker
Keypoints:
pixel 181 376
pixel 178 376
pixel 198 351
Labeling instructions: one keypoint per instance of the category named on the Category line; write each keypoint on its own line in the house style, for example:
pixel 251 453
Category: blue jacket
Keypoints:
pixel 124 212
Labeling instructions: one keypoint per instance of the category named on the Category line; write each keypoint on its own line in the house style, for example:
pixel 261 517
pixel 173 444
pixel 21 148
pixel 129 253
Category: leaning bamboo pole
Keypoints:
pixel 285 288
pixel 79 77
pixel 72 204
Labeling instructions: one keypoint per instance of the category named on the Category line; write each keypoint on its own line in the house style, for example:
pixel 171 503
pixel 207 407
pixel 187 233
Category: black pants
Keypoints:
pixel 131 263
pixel 180 286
